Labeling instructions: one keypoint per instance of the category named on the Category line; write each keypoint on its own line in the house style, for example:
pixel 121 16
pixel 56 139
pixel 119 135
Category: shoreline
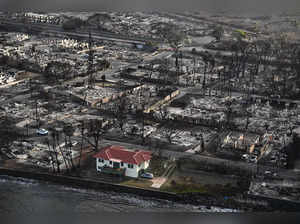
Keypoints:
pixel 86 183
pixel 92 184
pixel 240 203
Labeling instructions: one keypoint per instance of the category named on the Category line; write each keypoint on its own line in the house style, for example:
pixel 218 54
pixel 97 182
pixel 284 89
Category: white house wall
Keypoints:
pixel 99 165
pixel 130 172
pixel 145 165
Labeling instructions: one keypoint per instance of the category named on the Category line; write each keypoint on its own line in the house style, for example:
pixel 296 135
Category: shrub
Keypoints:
pixel 173 183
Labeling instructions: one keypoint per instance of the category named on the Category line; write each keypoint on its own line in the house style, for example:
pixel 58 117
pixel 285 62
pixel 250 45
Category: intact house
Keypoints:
pixel 117 158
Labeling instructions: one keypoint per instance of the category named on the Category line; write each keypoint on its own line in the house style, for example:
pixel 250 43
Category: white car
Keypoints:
pixel 74 143
pixel 147 175
pixel 267 172
pixel 270 173
pixel 253 159
pixel 264 184
pixel 245 156
pixel 42 131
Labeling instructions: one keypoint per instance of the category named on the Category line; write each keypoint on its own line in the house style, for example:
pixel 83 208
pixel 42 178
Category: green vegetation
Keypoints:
pixel 146 184
pixel 182 187
pixel 187 185
pixel 157 166
pixel 241 33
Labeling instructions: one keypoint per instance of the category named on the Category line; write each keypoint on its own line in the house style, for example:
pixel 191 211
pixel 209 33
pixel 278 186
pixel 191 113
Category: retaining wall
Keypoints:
pixel 278 204
pixel 88 183
pixel 163 101
pixel 193 198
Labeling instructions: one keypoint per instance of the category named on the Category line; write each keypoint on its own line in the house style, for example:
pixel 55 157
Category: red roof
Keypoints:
pixel 118 152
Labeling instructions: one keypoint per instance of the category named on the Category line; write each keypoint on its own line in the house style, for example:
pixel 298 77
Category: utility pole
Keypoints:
pixel 91 80
pixel 257 169
pixel 27 128
pixel 181 63
pixel 177 65
pixel 194 69
pixel 30 87
pixel 36 114
pixel 225 73
pixel 204 78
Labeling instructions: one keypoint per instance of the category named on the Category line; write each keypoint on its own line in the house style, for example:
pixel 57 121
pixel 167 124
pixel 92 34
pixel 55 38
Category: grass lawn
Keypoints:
pixel 182 185
pixel 138 183
pixel 186 183
pixel 156 166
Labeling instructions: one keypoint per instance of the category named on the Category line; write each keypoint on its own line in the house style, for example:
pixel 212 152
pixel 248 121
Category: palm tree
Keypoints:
pixel 68 132
pixel 61 152
pixel 81 145
pixel 53 135
pixel 47 142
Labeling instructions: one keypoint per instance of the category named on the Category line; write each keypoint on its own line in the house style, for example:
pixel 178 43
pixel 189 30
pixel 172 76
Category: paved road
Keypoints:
pixel 288 174
pixel 56 29
pixel 113 74
pixel 266 97
pixel 196 19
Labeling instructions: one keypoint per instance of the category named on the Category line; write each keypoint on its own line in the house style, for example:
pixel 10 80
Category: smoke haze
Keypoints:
pixel 256 7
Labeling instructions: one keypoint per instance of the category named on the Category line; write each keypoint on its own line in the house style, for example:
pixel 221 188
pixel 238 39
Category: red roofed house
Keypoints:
pixel 119 158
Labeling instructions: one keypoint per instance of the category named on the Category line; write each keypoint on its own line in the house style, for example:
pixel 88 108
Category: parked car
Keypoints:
pixel 245 156
pixel 256 153
pixel 273 160
pixel 147 175
pixel 253 159
pixel 267 172
pixel 42 131
pixel 263 184
pixel 72 144
pixel 270 173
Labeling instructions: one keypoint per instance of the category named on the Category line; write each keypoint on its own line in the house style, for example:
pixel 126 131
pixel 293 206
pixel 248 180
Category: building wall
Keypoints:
pixel 145 165
pixel 99 165
pixel 130 172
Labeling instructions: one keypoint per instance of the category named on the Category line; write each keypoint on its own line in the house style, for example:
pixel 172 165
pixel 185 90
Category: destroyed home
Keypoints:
pixel 209 101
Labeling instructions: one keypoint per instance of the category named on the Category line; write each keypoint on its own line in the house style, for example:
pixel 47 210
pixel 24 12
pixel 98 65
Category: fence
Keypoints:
pixel 147 79
pixel 163 101
pixel 117 96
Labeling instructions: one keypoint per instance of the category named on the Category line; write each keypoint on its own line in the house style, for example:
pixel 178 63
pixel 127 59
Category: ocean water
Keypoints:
pixel 24 196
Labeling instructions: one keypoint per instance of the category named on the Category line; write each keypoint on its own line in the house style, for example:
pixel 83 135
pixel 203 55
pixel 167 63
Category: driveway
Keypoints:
pixel 158 182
